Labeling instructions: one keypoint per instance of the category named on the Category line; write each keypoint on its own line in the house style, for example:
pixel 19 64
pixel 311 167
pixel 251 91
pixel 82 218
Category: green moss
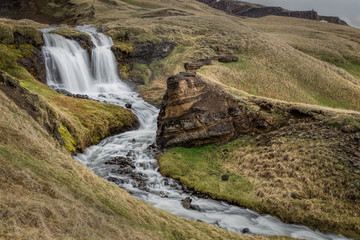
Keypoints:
pixel 69 141
pixel 143 71
pixel 124 47
pixel 71 32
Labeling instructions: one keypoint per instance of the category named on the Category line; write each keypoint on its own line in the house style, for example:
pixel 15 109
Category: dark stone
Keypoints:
pixel 295 195
pixel 193 66
pixel 225 177
pixel 147 53
pixel 103 28
pixel 257 11
pixel 245 230
pixel 186 202
pixel 128 105
pixel 228 59
pixel 121 161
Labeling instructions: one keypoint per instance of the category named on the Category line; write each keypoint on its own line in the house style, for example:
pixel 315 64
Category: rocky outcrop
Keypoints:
pixel 129 55
pixel 44 11
pixel 81 38
pixel 228 59
pixel 28 42
pixel 196 113
pixel 193 66
pixel 257 11
pixel 151 52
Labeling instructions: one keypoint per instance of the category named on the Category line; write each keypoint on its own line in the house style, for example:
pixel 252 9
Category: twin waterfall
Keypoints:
pixel 69 67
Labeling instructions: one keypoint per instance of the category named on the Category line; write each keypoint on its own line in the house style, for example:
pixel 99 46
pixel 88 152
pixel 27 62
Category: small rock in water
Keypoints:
pixel 225 177
pixel 128 105
pixel 133 140
pixel 245 230
pixel 186 202
pixel 163 195
pixel 195 207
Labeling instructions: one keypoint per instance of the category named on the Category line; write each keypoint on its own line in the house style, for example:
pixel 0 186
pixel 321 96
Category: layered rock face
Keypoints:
pixel 256 11
pixel 195 113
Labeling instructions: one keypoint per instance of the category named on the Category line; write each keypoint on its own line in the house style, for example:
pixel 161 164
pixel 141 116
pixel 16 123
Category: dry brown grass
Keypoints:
pixel 269 67
pixel 299 173
pixel 45 194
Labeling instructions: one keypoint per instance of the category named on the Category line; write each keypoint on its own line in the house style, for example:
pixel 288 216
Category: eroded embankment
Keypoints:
pixel 297 162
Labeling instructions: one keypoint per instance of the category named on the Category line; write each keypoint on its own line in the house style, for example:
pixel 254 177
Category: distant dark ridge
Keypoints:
pixel 256 11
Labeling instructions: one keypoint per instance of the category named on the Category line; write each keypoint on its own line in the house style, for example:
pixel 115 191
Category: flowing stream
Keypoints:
pixel 127 159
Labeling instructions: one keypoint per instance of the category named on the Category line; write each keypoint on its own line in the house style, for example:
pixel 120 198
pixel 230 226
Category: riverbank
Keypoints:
pixel 299 176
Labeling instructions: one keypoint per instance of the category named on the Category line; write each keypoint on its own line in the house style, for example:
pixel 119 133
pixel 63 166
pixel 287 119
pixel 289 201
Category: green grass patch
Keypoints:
pixel 200 168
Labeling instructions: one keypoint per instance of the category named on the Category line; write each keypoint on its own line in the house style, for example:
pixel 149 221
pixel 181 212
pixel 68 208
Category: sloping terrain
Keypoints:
pixel 44 192
pixel 268 67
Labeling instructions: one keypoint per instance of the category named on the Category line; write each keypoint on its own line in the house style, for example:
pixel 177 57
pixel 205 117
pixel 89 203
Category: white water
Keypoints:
pixel 68 67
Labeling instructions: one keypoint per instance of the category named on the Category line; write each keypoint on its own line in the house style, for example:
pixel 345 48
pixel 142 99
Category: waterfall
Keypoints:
pixel 69 67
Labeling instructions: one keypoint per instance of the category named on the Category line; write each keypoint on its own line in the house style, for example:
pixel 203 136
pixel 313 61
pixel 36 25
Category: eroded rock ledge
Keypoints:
pixel 241 8
pixel 196 113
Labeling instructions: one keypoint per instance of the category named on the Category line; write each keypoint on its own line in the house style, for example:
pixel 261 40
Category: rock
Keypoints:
pixel 150 52
pixel 225 177
pixel 186 203
pixel 295 195
pixel 103 28
pixel 195 207
pixel 64 92
pixel 123 162
pixel 163 195
pixel 128 105
pixel 228 59
pixel 245 230
pixel 193 66
pixel 256 11
pixel 195 113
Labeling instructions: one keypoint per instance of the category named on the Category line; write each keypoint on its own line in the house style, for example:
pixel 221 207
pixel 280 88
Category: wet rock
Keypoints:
pixel 152 146
pixel 225 177
pixel 121 161
pixel 163 195
pixel 195 207
pixel 186 202
pixel 128 105
pixel 228 59
pixel 245 230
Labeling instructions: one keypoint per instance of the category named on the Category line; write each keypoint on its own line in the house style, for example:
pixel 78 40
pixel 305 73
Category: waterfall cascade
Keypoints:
pixel 69 67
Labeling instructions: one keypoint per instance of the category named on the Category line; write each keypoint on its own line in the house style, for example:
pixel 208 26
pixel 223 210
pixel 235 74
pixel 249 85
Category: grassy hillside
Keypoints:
pixel 276 62
pixel 338 45
pixel 44 192
pixel 268 67
pixel 301 173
